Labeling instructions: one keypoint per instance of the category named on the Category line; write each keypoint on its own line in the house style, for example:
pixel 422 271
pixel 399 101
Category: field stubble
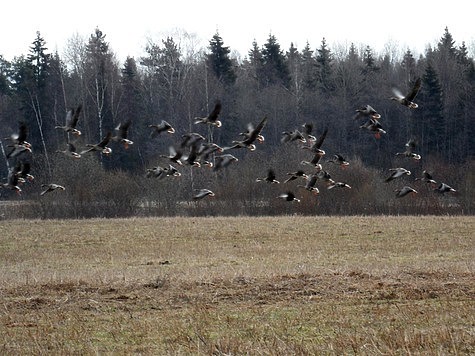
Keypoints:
pixel 266 285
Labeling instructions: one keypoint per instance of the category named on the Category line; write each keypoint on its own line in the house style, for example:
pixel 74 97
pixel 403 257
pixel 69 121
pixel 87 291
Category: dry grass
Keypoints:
pixel 280 286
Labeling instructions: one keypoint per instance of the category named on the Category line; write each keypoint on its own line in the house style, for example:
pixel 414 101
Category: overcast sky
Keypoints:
pixel 128 24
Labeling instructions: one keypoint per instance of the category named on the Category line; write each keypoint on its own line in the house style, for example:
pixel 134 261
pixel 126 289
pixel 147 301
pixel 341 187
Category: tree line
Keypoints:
pixel 176 82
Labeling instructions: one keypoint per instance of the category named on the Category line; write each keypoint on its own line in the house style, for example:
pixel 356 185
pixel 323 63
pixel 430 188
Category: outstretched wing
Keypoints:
pixel 415 90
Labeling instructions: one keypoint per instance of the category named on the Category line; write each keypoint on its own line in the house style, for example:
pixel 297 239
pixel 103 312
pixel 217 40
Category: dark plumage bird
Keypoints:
pixel 307 132
pixel 12 182
pixel 174 155
pixel 162 172
pixel 270 178
pixel 190 139
pixel 18 141
pixel 397 172
pixel 375 127
pixel 288 196
pixel 212 118
pixel 404 191
pixel 366 112
pixel 407 100
pixel 427 178
pixel 51 188
pixel 22 171
pixel 163 126
pixel 122 131
pixel 340 160
pixel 19 138
pixel 295 175
pixel 333 184
pixel 252 135
pixel 72 118
pixel 192 157
pixel 290 136
pixel 310 184
pixel 223 161
pixel 201 193
pixel 101 146
pixel 316 146
pixel 70 151
pixel 444 188
pixel 409 152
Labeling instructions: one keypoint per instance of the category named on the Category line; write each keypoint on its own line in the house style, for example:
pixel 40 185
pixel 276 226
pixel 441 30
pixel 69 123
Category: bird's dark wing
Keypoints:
pixel 22 132
pixel 105 140
pixel 320 140
pixel 75 117
pixel 213 116
pixel 415 90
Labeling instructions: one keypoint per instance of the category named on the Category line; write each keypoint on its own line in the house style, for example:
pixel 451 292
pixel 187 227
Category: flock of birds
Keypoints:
pixel 196 151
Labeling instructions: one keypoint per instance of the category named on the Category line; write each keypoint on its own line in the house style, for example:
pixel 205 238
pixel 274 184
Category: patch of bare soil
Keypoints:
pixel 163 293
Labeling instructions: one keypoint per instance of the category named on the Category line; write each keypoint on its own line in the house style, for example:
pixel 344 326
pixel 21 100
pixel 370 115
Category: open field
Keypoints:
pixel 280 286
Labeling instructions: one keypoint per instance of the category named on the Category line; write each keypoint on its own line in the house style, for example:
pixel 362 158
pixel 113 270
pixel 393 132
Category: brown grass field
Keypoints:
pixel 231 286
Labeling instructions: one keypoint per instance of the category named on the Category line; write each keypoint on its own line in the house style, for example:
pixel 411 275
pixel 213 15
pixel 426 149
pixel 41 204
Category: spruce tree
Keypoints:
pixel 275 68
pixel 219 62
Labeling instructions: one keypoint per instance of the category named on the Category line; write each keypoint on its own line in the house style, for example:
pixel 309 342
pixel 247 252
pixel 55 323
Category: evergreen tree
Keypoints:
pixel 5 74
pixel 275 68
pixel 219 62
pixel 324 64
pixel 309 68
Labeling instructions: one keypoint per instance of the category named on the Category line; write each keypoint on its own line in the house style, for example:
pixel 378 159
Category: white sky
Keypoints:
pixel 128 24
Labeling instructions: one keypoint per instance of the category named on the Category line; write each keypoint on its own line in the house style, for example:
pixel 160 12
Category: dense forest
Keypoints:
pixel 177 82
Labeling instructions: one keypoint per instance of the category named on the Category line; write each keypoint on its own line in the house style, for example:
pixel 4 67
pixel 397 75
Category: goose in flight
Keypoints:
pixel 404 191
pixel 12 182
pixel 375 127
pixel 288 196
pixel 51 188
pixel 163 126
pixel 407 100
pixel 340 160
pixel 427 178
pixel 70 151
pixel 444 188
pixel 252 135
pixel 310 184
pixel 122 132
pixel 101 146
pixel 212 118
pixel 201 193
pixel 295 175
pixel 409 152
pixel 396 173
pixel 72 118
pixel 366 112
pixel 270 178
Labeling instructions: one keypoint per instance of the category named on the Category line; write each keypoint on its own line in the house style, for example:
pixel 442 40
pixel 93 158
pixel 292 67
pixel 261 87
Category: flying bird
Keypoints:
pixel 295 175
pixel 375 127
pixel 288 196
pixel 270 178
pixel 404 191
pixel 201 193
pixel 163 126
pixel 409 152
pixel 397 172
pixel 427 178
pixel 212 118
pixel 444 188
pixel 407 100
pixel 51 188
pixel 366 112
pixel 72 118
pixel 12 182
pixel 70 151
pixel 101 146
pixel 121 134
